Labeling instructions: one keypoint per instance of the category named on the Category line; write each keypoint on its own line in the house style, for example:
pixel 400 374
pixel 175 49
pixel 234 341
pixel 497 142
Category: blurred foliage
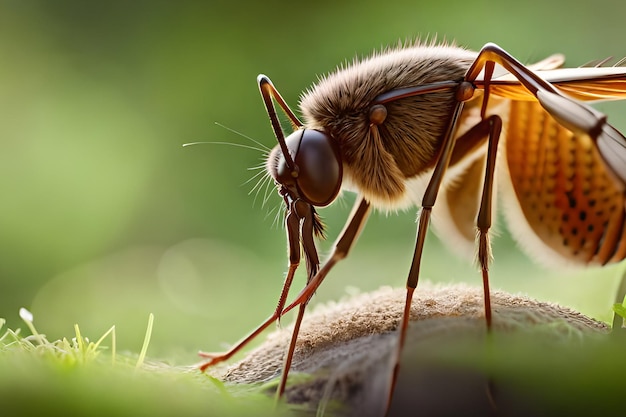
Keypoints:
pixel 40 376
pixel 105 218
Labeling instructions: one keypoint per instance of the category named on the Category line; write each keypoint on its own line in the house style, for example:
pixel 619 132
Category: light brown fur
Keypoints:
pixel 379 159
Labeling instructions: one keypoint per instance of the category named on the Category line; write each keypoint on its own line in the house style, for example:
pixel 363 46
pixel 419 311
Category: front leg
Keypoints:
pixel 348 236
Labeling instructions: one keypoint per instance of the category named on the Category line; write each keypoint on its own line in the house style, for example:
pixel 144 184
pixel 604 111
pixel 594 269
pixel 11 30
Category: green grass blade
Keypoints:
pixel 146 342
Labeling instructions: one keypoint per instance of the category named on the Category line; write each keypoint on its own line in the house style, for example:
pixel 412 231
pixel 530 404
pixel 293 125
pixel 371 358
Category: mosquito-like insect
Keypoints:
pixel 418 122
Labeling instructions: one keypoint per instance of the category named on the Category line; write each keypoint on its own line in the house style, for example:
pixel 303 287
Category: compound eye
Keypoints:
pixel 319 168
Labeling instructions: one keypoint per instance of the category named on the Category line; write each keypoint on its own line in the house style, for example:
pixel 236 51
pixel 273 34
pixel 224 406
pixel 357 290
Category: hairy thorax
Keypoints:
pixel 379 159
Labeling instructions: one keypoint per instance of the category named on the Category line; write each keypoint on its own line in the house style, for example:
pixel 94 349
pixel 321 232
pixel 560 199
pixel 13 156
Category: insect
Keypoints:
pixel 438 126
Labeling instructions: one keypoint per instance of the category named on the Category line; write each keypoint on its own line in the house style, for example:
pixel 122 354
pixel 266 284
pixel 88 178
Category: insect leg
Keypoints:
pixel 493 53
pixel 348 236
pixel 215 358
pixel 483 222
pixel 428 201
pixel 292 224
pixel 290 351
pixel 571 114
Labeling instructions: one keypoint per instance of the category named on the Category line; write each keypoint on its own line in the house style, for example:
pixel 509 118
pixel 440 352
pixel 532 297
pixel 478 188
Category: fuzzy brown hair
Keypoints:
pixel 378 159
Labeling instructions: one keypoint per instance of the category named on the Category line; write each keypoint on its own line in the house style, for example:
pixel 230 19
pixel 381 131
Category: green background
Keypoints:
pixel 105 217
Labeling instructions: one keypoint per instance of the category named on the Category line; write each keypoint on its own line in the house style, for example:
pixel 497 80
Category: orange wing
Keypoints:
pixel 560 199
pixel 587 84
